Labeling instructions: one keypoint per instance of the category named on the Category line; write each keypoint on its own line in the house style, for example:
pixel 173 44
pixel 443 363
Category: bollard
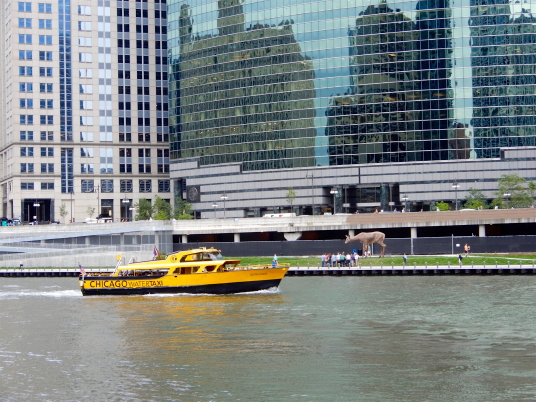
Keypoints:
pixel 370 265
pixel 496 265
pixel 392 265
pixel 414 265
pixel 484 264
pixel 508 264
pixel 426 264
pixel 437 265
pixel 298 266
pixel 449 264
pixel 381 266
pixel 472 264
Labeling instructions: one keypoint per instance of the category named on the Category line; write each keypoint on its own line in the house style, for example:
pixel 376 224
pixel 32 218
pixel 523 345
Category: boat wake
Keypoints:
pixel 10 294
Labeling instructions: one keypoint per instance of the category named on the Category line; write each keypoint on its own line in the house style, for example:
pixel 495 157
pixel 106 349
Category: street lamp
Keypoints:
pixel 311 176
pixel 215 206
pixel 72 193
pixel 405 199
pixel 507 195
pixel 224 198
pixel 455 186
pixel 334 191
pixel 125 201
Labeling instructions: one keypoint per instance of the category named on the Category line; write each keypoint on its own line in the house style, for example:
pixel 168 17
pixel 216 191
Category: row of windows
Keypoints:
pixel 25 6
pixel 159 30
pixel 141 13
pixel 27 39
pixel 125 186
pixel 29 151
pixel 27 23
pixel 30 186
pixel 43 103
pixel 142 75
pixel 126 90
pixel 88 136
pixel 27 119
pixel 144 121
pixel 28 55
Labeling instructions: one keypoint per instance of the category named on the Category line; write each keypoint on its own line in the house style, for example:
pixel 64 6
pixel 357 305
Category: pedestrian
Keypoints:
pixel 275 258
pixel 348 259
pixel 405 259
pixel 323 257
pixel 333 260
pixel 466 249
pixel 460 258
pixel 21 264
pixel 342 260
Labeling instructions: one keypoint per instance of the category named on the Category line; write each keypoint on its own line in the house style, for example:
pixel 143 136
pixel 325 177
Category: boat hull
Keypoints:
pixel 219 289
pixel 211 283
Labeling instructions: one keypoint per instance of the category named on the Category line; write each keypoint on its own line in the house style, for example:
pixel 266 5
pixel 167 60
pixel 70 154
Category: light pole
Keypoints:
pixel 96 189
pixel 224 198
pixel 507 195
pixel 72 193
pixel 125 202
pixel 405 199
pixel 455 186
pixel 334 191
pixel 214 206
pixel 311 176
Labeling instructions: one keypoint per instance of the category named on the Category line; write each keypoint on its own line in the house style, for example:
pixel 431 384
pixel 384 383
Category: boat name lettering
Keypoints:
pixel 125 284
pixel 264 273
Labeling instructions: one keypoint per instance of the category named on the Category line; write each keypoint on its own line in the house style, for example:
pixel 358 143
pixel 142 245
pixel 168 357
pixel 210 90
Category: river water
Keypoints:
pixel 314 339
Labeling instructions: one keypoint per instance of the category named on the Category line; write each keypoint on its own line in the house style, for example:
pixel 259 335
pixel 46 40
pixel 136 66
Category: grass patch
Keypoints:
pixel 477 259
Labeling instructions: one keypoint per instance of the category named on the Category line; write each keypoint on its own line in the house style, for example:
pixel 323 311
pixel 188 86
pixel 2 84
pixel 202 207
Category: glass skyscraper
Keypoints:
pixel 373 98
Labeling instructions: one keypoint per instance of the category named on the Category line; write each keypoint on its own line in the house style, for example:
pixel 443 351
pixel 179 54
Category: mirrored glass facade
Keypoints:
pixel 283 84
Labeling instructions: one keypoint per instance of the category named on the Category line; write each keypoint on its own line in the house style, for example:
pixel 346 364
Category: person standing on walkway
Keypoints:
pixel 21 264
pixel 460 258
pixel 405 259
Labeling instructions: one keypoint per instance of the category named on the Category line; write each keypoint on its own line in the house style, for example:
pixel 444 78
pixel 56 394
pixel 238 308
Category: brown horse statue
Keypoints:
pixel 368 238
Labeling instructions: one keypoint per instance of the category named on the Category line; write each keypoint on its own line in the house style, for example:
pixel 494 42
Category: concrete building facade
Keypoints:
pixel 352 104
pixel 84 121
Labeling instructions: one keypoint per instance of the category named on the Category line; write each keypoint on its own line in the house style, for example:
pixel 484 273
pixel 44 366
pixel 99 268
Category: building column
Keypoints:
pixel 481 230
pixel 351 232
pixel 184 238
pixel 413 233
pixel 237 237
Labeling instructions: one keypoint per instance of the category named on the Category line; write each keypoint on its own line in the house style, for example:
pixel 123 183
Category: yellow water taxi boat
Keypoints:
pixel 201 270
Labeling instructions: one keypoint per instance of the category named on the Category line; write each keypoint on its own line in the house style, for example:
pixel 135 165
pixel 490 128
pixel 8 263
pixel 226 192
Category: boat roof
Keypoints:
pixel 201 255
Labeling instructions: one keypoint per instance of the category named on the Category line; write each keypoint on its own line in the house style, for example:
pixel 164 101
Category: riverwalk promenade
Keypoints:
pixel 364 270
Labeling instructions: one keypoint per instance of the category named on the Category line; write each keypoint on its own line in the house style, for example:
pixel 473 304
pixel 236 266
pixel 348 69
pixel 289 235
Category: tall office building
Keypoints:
pixel 84 121
pixel 353 104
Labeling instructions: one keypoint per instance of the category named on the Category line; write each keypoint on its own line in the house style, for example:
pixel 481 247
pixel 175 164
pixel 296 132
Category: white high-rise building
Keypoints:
pixel 84 121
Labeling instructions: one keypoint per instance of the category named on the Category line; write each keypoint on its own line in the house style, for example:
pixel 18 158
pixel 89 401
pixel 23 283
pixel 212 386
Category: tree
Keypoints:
pixel 442 205
pixel 144 210
pixel 183 209
pixel 63 211
pixel 162 209
pixel 90 212
pixel 517 195
pixel 475 200
pixel 291 196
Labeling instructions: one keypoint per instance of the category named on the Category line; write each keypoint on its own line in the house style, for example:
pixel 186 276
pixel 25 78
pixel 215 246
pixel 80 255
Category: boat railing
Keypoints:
pixel 260 266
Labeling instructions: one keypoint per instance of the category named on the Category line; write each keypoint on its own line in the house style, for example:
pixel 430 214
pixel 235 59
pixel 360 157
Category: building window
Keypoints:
pixel 47 136
pixel 86 136
pixel 25 22
pixel 144 160
pixel 84 10
pixel 47 186
pixel 26 151
pixel 162 137
pixel 162 159
pixel 84 25
pixel 26 103
pixel 125 160
pixel 45 88
pixel 26 135
pixel 25 71
pixel 88 186
pixel 45 24
pixel 107 186
pixel 27 186
pixel 25 55
pixel 125 186
pixel 125 137
pixel 25 39
pixel 86 152
pixel 47 151
pixel 26 167
pixel 44 7
pixel 145 186
pixel 26 119
pixel 26 87
pixel 45 56
pixel 106 160
pixel 45 39
pixel 87 168
pixel 45 71
pixel 144 137
pixel 46 119
pixel 163 186
pixel 86 89
pixel 47 168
